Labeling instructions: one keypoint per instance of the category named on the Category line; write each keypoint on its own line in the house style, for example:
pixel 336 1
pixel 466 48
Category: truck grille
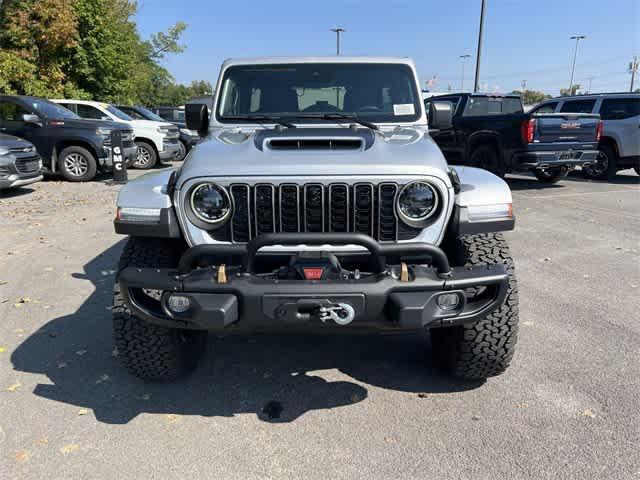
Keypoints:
pixel 338 207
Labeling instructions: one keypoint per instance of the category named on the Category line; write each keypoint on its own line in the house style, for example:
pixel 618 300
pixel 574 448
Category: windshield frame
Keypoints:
pixel 219 120
pixel 116 112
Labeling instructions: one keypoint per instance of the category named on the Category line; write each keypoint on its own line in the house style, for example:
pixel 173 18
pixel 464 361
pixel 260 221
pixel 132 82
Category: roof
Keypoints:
pixel 332 59
pixel 80 102
pixel 588 96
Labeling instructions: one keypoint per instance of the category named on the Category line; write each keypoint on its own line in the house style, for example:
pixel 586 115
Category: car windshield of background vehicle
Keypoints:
pixel 372 92
pixel 52 110
pixel 479 106
pixel 149 115
pixel 117 113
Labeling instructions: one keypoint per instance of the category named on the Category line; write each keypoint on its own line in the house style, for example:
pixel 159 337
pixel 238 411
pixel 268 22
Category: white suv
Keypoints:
pixel 620 144
pixel 155 140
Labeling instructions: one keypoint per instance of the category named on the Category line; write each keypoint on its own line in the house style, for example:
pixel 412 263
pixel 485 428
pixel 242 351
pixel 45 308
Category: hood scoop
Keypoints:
pixel 315 139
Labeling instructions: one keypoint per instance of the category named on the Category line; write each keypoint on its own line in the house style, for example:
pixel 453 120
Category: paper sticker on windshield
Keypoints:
pixel 404 109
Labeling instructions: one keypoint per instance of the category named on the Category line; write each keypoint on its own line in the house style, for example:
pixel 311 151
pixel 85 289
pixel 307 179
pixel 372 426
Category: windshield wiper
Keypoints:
pixel 339 116
pixel 260 119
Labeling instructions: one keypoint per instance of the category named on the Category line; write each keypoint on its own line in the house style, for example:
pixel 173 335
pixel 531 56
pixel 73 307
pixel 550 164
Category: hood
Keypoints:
pixel 152 124
pixel 324 151
pixel 10 141
pixel 91 124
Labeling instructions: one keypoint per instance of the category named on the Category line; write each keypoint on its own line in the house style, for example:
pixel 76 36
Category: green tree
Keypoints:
pixel 531 97
pixel 42 33
pixel 565 92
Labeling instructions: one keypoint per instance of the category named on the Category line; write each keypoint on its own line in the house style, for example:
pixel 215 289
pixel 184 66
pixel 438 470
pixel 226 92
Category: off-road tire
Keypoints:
pixel 488 158
pixel 551 175
pixel 150 351
pixel 485 348
pixel 599 173
pixel 85 162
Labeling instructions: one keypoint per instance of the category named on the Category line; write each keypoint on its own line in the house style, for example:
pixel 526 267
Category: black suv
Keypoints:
pixel 188 138
pixel 68 145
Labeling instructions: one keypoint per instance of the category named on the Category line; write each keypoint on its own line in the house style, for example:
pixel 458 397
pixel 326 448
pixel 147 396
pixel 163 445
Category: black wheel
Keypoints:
pixel 149 351
pixel 550 175
pixel 77 164
pixel 605 165
pixel 483 349
pixel 182 152
pixel 488 158
pixel 146 157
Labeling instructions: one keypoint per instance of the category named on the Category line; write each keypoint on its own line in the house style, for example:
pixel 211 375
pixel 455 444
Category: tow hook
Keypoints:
pixel 340 313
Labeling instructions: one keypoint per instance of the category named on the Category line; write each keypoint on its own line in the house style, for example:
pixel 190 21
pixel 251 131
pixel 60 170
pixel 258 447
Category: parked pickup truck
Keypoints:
pixel 302 210
pixel 619 147
pixel 68 145
pixel 494 133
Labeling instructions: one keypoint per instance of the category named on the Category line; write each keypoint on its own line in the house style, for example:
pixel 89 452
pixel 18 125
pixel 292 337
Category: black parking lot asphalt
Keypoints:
pixel 324 407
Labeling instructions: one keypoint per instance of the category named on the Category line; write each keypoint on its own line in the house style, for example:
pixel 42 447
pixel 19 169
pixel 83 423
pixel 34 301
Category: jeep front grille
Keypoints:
pixel 338 207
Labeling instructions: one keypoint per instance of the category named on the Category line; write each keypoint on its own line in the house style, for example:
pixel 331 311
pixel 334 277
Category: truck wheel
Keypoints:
pixel 488 158
pixel 150 351
pixel 485 348
pixel 77 164
pixel 605 165
pixel 182 152
pixel 550 175
pixel 146 157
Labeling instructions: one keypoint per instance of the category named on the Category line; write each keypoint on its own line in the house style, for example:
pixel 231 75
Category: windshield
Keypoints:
pixel 373 92
pixel 118 113
pixel 149 115
pixel 51 110
pixel 479 106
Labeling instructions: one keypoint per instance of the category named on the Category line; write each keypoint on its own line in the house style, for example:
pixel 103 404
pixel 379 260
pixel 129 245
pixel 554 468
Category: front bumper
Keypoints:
pixel 169 151
pixel 245 301
pixel 15 180
pixel 550 159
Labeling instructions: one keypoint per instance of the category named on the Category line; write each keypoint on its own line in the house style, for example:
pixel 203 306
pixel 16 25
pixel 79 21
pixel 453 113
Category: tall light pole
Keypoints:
pixel 590 81
pixel 633 69
pixel 476 85
pixel 577 38
pixel 523 84
pixel 464 61
pixel 338 31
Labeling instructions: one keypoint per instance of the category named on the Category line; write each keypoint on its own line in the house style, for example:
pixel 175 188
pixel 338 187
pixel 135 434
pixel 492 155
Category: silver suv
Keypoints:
pixel 316 201
pixel 620 143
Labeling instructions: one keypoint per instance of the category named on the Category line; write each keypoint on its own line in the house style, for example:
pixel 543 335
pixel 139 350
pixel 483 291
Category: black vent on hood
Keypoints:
pixel 320 144
pixel 312 138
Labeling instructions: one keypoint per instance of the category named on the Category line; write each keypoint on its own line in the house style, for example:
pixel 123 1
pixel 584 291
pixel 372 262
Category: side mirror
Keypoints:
pixel 32 119
pixel 440 115
pixel 197 117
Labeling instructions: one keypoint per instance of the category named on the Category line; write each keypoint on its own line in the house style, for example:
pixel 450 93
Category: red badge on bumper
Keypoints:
pixel 313 273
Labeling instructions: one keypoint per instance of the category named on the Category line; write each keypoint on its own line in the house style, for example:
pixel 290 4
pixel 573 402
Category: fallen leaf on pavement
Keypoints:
pixel 22 455
pixel 588 413
pixel 172 418
pixel 70 448
pixel 14 387
pixel 3 349
pixel 83 411
pixel 42 441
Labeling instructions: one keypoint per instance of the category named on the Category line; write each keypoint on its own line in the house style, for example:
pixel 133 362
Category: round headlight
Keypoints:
pixel 417 202
pixel 210 203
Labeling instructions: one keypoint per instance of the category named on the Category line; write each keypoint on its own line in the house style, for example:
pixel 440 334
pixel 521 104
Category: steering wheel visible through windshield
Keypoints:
pixel 375 92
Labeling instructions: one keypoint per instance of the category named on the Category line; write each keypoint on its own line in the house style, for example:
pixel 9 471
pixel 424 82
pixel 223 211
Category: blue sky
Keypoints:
pixel 524 39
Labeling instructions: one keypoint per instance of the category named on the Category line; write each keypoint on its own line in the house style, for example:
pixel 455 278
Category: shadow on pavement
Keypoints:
pixel 278 378
pixel 7 193
pixel 632 179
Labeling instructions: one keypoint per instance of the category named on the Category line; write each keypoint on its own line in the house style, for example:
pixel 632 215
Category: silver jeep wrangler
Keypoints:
pixel 316 202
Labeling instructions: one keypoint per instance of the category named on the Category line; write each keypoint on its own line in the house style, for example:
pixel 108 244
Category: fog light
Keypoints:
pixel 178 303
pixel 448 301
